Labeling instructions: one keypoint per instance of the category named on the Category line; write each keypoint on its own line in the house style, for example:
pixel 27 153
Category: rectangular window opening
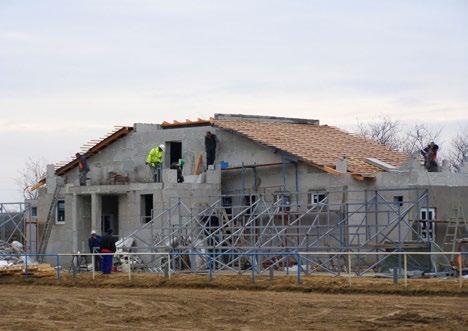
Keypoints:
pixel 427 216
pixel 146 208
pixel 315 198
pixel 398 200
pixel 60 212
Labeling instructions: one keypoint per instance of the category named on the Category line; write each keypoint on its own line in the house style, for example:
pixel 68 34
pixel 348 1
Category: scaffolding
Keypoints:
pixel 18 224
pixel 220 235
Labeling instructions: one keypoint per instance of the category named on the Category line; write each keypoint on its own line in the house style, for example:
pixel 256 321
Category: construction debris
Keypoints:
pixel 9 253
pixel 13 264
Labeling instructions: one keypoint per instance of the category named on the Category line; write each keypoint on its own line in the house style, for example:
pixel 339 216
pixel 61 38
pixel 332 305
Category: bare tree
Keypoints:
pixel 418 137
pixel 458 148
pixel 393 134
pixel 386 131
pixel 32 173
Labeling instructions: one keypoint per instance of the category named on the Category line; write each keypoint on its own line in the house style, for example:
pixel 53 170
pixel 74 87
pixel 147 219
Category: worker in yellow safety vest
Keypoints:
pixel 154 160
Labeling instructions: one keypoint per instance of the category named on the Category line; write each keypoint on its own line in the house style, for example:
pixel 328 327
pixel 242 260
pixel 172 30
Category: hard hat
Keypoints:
pixel 93 232
pixel 162 146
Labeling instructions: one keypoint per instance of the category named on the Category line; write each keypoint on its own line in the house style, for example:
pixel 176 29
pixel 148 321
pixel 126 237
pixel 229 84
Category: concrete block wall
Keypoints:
pixel 128 154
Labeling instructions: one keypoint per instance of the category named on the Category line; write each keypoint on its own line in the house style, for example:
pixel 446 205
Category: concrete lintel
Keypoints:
pixel 113 189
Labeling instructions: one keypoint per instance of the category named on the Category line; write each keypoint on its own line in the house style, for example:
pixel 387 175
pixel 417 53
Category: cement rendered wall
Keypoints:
pixel 445 189
pixel 128 156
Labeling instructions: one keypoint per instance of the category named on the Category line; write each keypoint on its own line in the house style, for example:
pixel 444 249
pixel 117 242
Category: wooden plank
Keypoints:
pixel 198 165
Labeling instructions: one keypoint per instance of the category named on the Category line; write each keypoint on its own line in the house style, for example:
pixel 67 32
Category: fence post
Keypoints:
pixel 460 270
pixel 299 280
pixel 25 266
pixel 166 268
pixel 405 269
pixel 129 267
pixel 349 268
pixel 210 271
pixel 271 273
pixel 253 266
pixel 58 266
pixel 169 265
pixel 93 265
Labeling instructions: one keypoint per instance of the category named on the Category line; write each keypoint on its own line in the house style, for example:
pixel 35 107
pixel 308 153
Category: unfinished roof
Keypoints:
pixel 185 124
pixel 95 147
pixel 318 145
pixel 91 148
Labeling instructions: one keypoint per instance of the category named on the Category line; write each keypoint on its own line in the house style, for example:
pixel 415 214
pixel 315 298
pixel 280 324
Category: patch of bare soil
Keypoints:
pixel 322 284
pixel 65 308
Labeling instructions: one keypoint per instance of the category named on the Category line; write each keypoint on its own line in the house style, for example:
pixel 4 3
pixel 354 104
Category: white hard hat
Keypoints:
pixel 162 146
pixel 93 232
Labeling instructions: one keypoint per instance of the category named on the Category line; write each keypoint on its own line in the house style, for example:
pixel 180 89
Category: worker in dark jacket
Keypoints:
pixel 83 168
pixel 94 244
pixel 107 246
pixel 430 157
pixel 210 147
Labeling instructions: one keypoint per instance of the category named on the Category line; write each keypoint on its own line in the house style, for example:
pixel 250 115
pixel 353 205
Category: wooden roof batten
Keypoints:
pixel 96 148
pixel 186 123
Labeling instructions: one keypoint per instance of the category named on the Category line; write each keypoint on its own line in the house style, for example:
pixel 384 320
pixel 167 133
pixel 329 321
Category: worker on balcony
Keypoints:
pixel 154 160
pixel 83 168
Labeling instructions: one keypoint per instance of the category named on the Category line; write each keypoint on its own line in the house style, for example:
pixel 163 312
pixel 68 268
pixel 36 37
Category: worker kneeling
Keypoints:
pixel 154 160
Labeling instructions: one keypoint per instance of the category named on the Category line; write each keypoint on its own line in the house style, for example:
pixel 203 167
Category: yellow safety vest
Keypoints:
pixel 155 157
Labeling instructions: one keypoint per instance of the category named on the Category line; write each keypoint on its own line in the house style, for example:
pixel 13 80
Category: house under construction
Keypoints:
pixel 278 185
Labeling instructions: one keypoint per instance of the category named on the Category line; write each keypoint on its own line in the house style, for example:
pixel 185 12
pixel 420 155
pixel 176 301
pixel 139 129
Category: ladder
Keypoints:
pixel 456 226
pixel 48 224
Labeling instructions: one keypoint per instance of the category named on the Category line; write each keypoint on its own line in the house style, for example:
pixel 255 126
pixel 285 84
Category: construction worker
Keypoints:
pixel 94 244
pixel 430 157
pixel 83 168
pixel 154 160
pixel 180 168
pixel 210 147
pixel 107 246
pixel 458 260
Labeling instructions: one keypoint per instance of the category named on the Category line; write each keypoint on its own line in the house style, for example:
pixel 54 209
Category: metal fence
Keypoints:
pixel 166 263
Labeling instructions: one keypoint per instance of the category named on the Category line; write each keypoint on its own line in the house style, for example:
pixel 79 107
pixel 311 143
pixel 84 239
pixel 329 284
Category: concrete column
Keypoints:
pixel 74 221
pixel 96 211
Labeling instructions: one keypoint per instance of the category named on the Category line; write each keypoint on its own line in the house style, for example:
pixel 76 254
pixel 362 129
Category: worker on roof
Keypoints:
pixel 154 160
pixel 430 157
pixel 83 168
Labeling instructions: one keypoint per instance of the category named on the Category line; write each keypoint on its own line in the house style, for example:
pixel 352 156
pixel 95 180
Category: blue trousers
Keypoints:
pixel 106 266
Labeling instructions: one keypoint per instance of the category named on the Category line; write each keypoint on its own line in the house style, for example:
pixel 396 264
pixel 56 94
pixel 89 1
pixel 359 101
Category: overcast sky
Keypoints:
pixel 71 70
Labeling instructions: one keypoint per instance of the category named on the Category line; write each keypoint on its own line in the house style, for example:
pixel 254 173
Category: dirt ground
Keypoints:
pixel 32 307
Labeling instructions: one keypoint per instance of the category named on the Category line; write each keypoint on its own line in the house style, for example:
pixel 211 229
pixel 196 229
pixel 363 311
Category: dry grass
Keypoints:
pixel 322 284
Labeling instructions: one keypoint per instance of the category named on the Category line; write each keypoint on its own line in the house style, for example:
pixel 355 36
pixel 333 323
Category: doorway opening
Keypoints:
pixel 146 208
pixel 110 214
pixel 175 153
